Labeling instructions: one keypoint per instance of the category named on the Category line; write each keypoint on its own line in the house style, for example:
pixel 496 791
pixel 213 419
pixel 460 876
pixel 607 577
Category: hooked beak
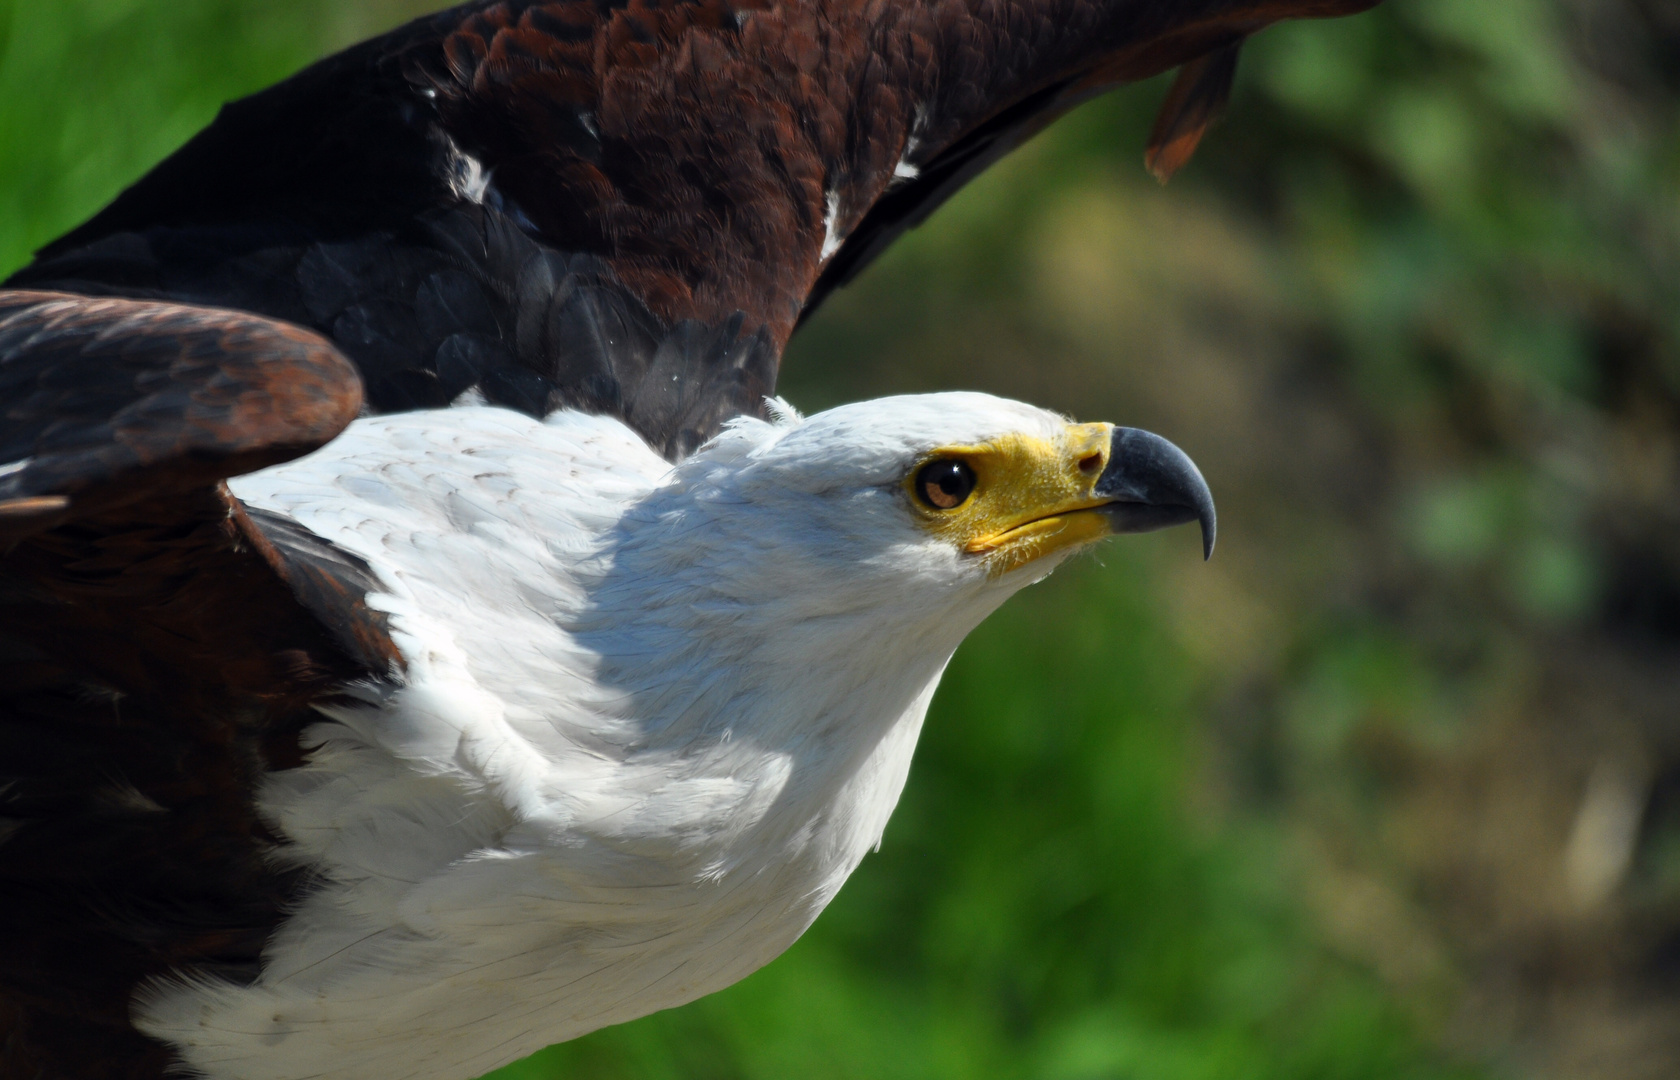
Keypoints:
pixel 1152 484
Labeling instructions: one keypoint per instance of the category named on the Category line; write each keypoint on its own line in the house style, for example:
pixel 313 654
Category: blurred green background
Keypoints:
pixel 1391 788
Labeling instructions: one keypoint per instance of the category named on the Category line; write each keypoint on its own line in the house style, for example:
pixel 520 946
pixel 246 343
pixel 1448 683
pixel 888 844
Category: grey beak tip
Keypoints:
pixel 1155 485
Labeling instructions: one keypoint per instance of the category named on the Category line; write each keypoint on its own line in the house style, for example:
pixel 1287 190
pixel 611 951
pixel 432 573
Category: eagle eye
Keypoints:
pixel 945 485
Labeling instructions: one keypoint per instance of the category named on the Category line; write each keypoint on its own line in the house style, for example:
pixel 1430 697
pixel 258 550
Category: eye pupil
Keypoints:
pixel 945 485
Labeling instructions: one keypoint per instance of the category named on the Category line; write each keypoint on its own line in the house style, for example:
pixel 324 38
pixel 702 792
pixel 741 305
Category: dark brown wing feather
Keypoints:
pixel 625 207
pixel 155 658
pixel 1197 98
pixel 109 402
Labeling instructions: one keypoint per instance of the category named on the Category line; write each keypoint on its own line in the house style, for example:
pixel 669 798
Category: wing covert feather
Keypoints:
pixel 105 402
pixel 159 654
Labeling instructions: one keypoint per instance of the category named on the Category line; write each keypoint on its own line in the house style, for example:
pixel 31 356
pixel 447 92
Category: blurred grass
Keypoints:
pixel 1306 811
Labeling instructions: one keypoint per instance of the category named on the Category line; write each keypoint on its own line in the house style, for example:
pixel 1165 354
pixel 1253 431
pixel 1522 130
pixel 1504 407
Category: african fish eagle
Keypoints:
pixel 425 637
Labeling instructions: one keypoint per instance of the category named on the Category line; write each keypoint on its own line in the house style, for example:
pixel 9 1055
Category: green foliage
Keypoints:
pixel 97 91
pixel 1414 311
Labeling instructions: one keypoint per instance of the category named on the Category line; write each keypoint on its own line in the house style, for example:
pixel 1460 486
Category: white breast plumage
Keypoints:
pixel 553 820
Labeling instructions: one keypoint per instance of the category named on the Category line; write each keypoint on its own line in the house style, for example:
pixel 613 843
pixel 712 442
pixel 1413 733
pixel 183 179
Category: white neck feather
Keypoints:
pixel 633 755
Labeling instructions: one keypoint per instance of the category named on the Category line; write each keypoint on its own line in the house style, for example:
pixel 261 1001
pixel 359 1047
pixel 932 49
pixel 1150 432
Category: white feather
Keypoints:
pixel 832 237
pixel 905 170
pixel 651 720
pixel 468 177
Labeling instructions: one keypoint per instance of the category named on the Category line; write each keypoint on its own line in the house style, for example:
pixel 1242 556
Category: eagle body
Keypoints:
pixel 423 636
pixel 650 719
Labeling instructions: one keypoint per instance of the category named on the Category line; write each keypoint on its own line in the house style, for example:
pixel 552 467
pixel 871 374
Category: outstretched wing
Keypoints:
pixel 623 207
pixel 158 653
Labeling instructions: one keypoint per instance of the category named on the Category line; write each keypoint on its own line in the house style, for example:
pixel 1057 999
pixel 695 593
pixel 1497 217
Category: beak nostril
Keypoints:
pixel 1091 464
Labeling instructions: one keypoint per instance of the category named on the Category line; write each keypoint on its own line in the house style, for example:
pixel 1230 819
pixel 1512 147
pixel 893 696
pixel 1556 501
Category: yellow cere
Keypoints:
pixel 1032 496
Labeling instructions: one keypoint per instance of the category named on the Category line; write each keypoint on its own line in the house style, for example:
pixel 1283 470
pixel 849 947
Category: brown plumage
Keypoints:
pixel 154 654
pixel 623 207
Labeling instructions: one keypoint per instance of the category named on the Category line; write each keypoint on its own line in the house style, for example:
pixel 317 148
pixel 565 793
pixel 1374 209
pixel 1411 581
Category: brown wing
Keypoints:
pixel 623 207
pixel 157 654
pixel 107 403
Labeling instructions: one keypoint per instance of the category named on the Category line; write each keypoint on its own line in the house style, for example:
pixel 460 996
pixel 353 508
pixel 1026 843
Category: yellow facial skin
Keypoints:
pixel 1032 497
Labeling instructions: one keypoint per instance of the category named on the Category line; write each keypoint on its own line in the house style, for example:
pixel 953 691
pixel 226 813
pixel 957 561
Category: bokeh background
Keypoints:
pixel 1391 788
